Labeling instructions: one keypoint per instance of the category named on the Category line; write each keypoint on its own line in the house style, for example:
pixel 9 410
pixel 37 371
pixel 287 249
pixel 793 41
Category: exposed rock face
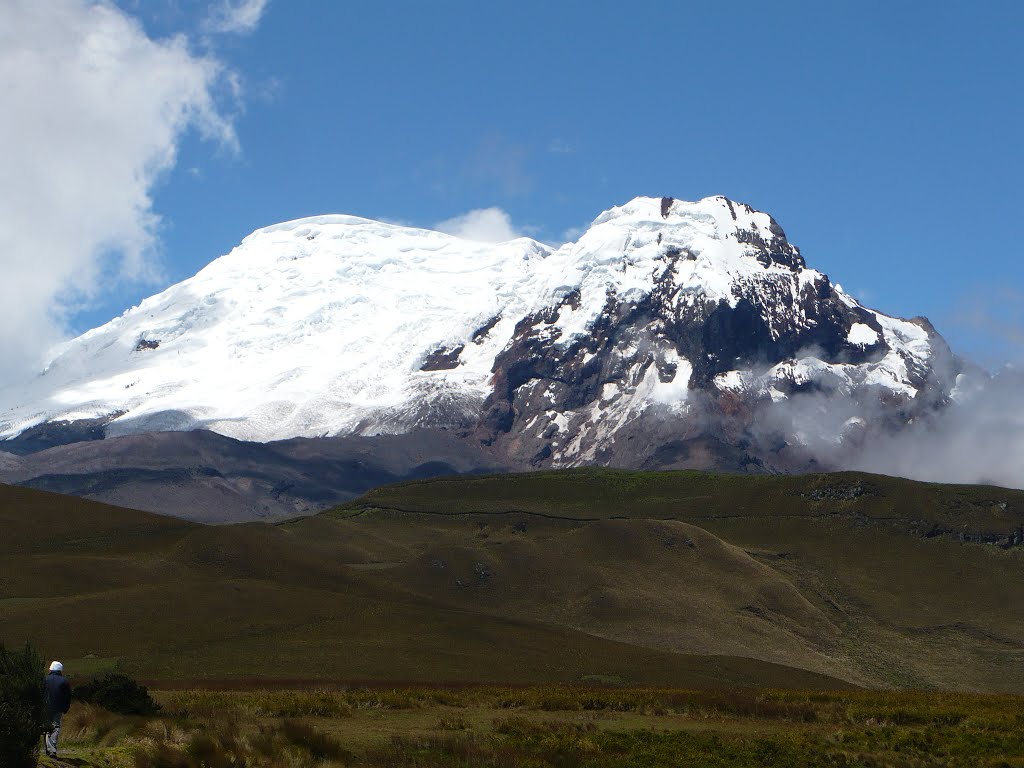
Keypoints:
pixel 684 361
pixel 443 359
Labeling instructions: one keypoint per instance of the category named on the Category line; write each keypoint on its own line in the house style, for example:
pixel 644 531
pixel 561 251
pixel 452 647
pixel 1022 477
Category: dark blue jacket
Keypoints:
pixel 57 693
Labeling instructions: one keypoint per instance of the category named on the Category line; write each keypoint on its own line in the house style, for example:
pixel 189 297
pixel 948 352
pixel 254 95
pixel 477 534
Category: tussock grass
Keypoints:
pixel 258 704
pixel 320 745
pixel 855 707
pixel 452 723
pixel 556 726
pixel 227 744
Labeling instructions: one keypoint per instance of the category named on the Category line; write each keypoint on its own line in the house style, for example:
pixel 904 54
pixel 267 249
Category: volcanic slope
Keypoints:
pixel 206 477
pixel 679 578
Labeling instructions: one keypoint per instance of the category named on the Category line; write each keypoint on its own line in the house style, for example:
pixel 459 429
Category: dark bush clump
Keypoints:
pixel 118 693
pixel 22 717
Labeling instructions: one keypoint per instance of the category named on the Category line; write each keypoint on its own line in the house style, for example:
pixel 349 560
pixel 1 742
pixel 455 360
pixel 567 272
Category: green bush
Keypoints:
pixel 118 693
pixel 22 716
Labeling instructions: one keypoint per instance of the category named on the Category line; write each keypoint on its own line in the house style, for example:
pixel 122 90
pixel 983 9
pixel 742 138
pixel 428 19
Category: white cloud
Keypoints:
pixel 94 112
pixel 238 17
pixel 488 225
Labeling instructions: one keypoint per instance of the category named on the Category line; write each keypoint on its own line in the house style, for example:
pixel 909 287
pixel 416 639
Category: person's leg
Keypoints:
pixel 53 736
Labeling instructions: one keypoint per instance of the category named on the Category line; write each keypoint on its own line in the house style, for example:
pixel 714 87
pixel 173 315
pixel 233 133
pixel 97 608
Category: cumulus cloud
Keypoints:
pixel 95 111
pixel 237 17
pixel 488 225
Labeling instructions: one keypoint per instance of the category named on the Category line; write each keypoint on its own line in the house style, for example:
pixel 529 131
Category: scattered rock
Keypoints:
pixel 443 359
pixel 484 330
pixel 842 492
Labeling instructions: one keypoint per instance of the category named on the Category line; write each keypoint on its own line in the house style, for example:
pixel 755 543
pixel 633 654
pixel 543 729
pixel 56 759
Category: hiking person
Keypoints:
pixel 57 697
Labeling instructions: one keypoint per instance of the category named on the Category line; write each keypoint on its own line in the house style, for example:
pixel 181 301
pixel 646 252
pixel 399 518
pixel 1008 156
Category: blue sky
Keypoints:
pixel 884 137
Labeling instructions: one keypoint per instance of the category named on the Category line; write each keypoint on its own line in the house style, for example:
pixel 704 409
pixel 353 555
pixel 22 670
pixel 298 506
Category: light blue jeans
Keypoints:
pixel 53 735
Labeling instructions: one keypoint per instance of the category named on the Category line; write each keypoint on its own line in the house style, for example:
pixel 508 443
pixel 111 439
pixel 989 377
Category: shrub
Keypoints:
pixel 118 693
pixel 22 716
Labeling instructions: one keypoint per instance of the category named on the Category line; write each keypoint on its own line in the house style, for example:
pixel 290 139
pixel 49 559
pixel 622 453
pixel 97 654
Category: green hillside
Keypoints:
pixel 680 578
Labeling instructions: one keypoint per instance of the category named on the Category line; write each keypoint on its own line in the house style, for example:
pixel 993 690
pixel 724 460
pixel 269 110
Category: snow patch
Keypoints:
pixel 676 391
pixel 862 335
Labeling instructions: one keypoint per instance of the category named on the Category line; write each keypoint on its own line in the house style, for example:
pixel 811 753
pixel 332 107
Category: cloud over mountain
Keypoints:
pixel 486 225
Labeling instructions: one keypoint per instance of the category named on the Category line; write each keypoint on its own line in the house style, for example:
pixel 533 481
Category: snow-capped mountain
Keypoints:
pixel 665 321
pixel 313 327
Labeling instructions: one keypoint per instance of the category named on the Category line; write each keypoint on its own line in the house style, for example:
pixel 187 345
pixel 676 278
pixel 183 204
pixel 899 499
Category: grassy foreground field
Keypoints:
pixel 550 726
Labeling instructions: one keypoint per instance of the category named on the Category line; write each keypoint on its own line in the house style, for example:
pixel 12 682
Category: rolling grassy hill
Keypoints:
pixel 678 578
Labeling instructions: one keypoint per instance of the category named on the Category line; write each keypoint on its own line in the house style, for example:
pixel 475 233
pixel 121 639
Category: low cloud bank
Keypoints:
pixel 976 438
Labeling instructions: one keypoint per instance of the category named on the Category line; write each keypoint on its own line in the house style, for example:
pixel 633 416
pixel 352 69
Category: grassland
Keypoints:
pixel 637 579
pixel 553 726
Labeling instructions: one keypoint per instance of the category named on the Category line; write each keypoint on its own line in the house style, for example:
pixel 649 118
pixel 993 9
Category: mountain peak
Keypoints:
pixel 744 231
pixel 674 210
pixel 341 325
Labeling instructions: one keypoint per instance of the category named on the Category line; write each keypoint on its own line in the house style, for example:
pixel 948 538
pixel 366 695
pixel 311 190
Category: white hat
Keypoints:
pixel 56 666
